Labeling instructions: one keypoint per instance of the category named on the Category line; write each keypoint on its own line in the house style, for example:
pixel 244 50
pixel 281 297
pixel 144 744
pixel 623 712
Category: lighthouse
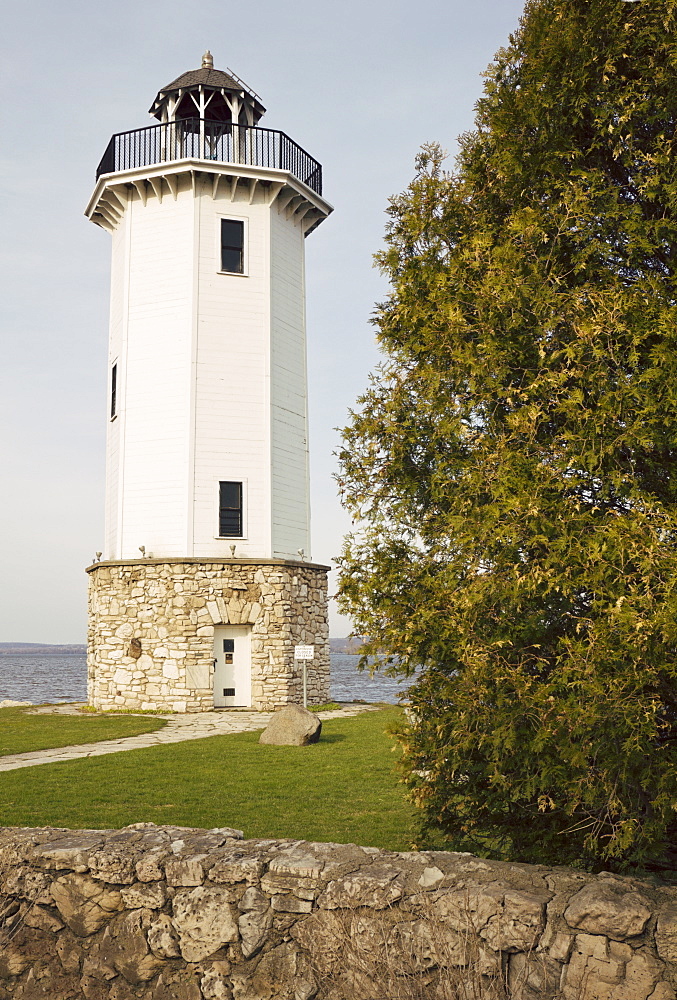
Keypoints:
pixel 205 587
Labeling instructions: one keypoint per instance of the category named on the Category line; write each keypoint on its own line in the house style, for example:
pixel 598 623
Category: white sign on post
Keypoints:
pixel 304 653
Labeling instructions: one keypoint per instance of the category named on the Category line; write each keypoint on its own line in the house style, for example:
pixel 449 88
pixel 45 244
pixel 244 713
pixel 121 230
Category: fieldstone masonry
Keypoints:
pixel 151 630
pixel 169 913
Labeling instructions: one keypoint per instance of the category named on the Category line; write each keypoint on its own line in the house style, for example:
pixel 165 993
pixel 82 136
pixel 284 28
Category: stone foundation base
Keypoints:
pixel 151 630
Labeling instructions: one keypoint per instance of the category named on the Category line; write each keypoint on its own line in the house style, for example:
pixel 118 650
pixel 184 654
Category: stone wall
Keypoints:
pixel 151 630
pixel 169 913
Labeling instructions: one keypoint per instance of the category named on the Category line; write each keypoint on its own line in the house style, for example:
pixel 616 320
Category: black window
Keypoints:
pixel 232 246
pixel 113 390
pixel 230 510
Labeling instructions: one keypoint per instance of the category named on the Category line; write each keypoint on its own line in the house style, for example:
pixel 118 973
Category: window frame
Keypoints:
pixel 242 508
pixel 245 256
pixel 113 410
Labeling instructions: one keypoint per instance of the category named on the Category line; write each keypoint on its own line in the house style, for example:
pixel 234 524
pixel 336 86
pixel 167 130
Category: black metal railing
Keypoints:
pixel 196 139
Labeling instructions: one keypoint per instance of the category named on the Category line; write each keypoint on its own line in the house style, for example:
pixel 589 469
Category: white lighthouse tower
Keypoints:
pixel 206 585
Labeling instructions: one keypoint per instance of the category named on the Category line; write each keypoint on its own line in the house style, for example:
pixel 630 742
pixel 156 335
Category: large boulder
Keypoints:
pixel 292 726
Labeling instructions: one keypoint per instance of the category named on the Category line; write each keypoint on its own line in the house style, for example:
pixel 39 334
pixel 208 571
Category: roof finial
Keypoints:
pixel 207 60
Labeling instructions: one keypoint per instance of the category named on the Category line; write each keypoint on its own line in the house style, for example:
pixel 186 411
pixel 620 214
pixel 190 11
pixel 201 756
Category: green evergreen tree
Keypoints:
pixel 511 470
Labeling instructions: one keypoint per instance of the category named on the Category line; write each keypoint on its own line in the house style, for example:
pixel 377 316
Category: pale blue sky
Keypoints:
pixel 361 85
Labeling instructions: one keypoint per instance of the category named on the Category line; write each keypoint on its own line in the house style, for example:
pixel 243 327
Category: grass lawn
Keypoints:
pixel 344 788
pixel 21 732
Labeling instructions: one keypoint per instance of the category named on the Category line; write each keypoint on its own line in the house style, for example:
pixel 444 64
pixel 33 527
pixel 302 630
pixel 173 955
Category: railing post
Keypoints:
pixel 250 150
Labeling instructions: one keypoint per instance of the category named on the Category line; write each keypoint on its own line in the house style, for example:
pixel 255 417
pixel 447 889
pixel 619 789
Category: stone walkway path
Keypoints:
pixel 193 726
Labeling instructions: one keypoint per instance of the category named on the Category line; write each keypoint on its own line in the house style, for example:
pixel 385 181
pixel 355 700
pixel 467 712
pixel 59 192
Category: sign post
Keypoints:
pixel 304 653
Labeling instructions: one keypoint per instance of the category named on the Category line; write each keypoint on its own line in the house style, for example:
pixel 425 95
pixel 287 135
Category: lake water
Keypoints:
pixel 53 677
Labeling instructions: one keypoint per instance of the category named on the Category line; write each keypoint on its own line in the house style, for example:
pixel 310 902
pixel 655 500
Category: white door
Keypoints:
pixel 232 667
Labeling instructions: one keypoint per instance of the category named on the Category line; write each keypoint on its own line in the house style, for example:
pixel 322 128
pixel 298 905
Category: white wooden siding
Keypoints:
pixel 289 459
pixel 211 379
pixel 115 347
pixel 231 379
pixel 154 375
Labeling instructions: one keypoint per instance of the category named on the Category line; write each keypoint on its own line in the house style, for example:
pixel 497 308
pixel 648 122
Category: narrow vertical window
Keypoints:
pixel 113 391
pixel 230 510
pixel 232 246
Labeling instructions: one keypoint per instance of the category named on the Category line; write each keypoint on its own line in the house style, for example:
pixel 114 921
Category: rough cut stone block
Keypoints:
pixel 163 940
pixel 125 947
pixel 518 923
pixel 560 946
pixel 288 903
pixel 527 973
pixel 641 975
pixel 296 862
pixel 414 945
pixel 197 676
pixel 608 909
pixel 246 869
pixel 377 887
pixel 254 927
pixel 177 984
pixel 170 669
pixel 430 876
pixel 282 974
pixel 663 991
pixel 42 919
pixel 214 984
pixel 304 888
pixel 141 894
pixel 204 920
pixel 116 864
pixel 666 933
pixel 254 899
pixel 13 960
pixel 150 867
pixel 593 945
pixel 186 872
pixel 85 904
pixel 70 852
pixel 69 952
